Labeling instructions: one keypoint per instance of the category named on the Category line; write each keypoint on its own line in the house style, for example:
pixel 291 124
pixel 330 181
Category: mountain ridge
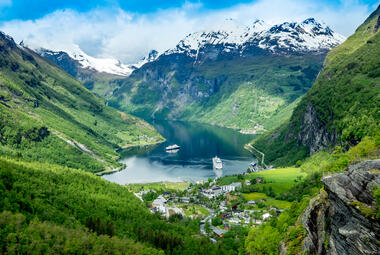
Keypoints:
pixel 340 108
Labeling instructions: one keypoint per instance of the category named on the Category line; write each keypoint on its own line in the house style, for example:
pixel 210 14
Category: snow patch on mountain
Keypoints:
pixel 106 65
pixel 308 35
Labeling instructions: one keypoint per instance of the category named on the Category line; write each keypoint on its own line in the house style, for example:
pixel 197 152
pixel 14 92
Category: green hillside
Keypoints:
pixel 253 94
pixel 341 108
pixel 46 115
pixel 49 209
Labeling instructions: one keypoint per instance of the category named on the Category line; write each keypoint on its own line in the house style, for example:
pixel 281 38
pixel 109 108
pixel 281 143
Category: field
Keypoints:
pixel 180 186
pixel 194 210
pixel 268 201
pixel 279 175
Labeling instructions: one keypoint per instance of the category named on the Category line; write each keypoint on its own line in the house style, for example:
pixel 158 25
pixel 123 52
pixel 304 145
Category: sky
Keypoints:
pixel 128 30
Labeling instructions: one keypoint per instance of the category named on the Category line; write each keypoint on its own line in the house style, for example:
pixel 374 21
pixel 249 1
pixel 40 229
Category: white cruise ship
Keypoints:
pixel 217 163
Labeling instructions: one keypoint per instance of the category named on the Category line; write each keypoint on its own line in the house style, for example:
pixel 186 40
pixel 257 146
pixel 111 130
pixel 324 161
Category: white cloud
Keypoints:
pixel 129 36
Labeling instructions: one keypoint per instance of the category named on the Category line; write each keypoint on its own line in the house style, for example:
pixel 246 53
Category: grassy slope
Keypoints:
pixel 255 91
pixel 262 100
pixel 56 199
pixel 345 96
pixel 36 95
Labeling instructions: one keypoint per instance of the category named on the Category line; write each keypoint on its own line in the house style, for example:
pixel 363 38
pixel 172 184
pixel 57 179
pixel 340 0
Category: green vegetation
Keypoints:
pixel 286 227
pixel 36 237
pixel 48 116
pixel 59 200
pixel 345 98
pixel 159 186
pixel 252 94
pixel 364 209
pixel 194 210
pixel 279 175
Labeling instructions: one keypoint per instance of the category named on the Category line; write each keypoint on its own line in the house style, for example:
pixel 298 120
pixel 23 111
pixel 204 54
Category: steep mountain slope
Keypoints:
pixel 49 209
pixel 342 106
pixel 237 77
pixel 46 115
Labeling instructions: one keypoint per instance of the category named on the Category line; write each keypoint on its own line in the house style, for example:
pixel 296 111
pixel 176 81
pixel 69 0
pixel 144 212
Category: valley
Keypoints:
pixel 249 138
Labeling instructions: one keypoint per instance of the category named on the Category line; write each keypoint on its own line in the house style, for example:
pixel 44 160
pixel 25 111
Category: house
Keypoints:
pixel 219 232
pixel 258 222
pixel 185 199
pixel 259 180
pixel 247 182
pixel 159 204
pixel 232 187
pixel 234 220
pixel 251 202
pixel 266 216
pixel 216 190
pixel 166 193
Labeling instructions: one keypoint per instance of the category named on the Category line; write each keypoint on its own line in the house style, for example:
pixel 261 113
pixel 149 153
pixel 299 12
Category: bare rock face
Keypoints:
pixel 337 221
pixel 314 134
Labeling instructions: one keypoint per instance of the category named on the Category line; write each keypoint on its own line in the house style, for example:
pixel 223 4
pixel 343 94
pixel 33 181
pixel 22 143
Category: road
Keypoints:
pixel 202 225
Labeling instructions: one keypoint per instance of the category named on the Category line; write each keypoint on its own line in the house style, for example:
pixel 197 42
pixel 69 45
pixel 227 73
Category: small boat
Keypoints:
pixel 173 147
pixel 217 163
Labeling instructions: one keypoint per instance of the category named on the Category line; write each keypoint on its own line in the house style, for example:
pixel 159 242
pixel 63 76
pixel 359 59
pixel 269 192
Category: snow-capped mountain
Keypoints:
pixel 105 65
pixel 306 36
pixel 152 56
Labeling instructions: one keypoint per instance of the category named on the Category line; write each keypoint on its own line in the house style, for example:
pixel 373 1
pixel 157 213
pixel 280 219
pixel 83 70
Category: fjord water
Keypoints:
pixel 199 144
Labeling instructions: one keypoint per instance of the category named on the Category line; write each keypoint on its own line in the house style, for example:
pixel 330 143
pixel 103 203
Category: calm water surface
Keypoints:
pixel 193 162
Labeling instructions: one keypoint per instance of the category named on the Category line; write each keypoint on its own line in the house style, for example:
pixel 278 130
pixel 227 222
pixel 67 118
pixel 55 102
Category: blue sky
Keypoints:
pixel 34 9
pixel 128 30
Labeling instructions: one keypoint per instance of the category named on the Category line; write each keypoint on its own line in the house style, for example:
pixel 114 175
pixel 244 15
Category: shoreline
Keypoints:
pixel 124 166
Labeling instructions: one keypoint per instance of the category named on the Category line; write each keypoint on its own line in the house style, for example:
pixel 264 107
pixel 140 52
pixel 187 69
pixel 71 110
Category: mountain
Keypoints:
pixel 100 75
pixel 341 108
pixel 48 116
pixel 307 36
pixel 238 77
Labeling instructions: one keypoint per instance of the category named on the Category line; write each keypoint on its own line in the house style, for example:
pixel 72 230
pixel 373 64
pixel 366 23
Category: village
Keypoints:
pixel 218 204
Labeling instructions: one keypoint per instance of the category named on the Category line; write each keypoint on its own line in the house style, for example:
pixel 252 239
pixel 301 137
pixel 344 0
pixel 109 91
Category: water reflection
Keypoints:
pixel 193 161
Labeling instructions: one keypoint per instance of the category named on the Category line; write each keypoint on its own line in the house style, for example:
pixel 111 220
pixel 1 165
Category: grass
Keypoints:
pixel 159 186
pixel 268 201
pixel 255 196
pixel 194 210
pixel 282 175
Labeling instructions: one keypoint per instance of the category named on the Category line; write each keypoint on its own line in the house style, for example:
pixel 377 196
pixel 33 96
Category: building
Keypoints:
pixel 247 182
pixel 251 202
pixel 234 220
pixel 185 199
pixel 266 216
pixel 232 187
pixel 219 232
pixel 159 204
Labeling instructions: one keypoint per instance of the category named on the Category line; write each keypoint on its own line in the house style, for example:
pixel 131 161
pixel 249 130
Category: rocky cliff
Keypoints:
pixel 342 218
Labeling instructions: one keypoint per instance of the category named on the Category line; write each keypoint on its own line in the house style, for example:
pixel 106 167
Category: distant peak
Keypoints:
pixel 310 21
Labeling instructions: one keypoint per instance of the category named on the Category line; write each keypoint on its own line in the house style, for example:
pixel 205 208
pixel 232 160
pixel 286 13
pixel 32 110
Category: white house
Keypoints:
pixel 159 204
pixel 232 187
pixel 266 216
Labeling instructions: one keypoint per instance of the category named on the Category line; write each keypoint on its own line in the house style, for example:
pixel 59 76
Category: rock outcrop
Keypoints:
pixel 314 134
pixel 341 219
